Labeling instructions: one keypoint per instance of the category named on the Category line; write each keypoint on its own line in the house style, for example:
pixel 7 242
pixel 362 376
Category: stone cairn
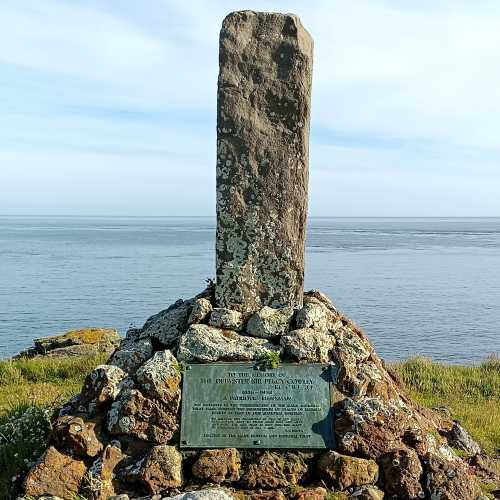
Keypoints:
pixel 119 438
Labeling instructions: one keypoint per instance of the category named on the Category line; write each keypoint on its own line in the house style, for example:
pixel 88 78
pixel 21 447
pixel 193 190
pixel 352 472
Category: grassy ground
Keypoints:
pixel 29 387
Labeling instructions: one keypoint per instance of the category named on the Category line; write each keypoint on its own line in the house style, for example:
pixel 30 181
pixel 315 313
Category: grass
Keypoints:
pixel 30 388
pixel 471 393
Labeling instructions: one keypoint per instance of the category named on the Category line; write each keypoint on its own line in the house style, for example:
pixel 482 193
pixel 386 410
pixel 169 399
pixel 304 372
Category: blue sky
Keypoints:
pixel 109 106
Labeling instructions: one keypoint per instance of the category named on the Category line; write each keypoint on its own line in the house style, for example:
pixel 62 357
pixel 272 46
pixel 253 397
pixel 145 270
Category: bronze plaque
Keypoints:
pixel 241 405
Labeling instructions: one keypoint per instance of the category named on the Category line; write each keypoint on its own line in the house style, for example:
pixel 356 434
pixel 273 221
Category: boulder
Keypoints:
pixel 160 377
pixel 226 319
pixel 319 297
pixel 269 322
pixel 217 466
pixel 314 315
pixel 55 474
pixel 274 470
pixel 168 325
pixel 133 414
pixel 201 309
pixel 77 436
pixel 132 353
pixel 344 471
pixel 368 493
pixel 161 469
pixel 103 385
pixel 204 344
pixel 82 342
pixel 100 484
pixel 401 473
pixel 309 345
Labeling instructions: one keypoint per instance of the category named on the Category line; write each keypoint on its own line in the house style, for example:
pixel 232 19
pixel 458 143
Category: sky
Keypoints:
pixel 109 106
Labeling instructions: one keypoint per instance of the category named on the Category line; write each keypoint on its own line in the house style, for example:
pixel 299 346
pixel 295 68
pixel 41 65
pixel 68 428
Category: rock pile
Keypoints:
pixel 119 438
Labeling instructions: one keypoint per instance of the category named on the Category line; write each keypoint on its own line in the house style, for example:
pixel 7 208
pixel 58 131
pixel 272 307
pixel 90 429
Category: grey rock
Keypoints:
pixel 226 319
pixel 317 296
pixel 103 385
pixel 263 111
pixel 132 353
pixel 314 315
pixel 201 309
pixel 205 343
pixel 310 345
pixel 167 325
pixel 459 438
pixel 270 322
pixel 160 376
pixel 206 494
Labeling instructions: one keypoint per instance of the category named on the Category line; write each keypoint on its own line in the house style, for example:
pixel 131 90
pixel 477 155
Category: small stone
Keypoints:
pixel 55 474
pixel 201 309
pixel 131 354
pixel 205 344
pixel 76 435
pixel 205 494
pixel 269 323
pixel 459 438
pixel 274 470
pixel 226 319
pixel 167 325
pixel 160 377
pixel 368 493
pixel 318 493
pixel 218 465
pixel 135 415
pixel 310 345
pixel 161 469
pixel 345 472
pixel 101 473
pixel 103 385
pixel 402 472
pixel 315 316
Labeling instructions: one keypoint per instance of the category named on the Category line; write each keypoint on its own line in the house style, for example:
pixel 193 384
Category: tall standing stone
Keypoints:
pixel 263 109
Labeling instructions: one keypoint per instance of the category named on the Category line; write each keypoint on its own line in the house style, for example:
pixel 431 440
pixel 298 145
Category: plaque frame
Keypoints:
pixel 327 372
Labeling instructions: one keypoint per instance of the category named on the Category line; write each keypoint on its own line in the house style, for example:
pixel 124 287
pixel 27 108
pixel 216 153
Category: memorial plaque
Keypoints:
pixel 240 405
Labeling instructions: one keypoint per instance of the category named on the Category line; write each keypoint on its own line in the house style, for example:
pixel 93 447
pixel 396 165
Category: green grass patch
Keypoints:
pixel 471 393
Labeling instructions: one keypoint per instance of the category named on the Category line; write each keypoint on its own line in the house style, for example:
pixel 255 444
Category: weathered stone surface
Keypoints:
pixel 318 493
pixel 314 315
pixel 161 469
pixel 55 474
pixel 132 353
pixel 310 345
pixel 135 415
pixel 160 377
pixel 368 493
pixel 100 483
pixel 269 322
pixel 205 494
pixel 226 319
pixel 82 342
pixel 218 465
pixel 103 385
pixel 205 343
pixel 317 296
pixel 262 495
pixel 167 325
pixel 459 438
pixel 401 471
pixel 262 160
pixel 201 309
pixel 344 471
pixel 274 470
pixel 77 436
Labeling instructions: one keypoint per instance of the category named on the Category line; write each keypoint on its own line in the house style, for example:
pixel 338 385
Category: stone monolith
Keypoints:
pixel 263 109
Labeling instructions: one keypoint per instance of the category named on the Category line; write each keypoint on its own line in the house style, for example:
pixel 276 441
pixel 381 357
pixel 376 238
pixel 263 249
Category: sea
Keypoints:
pixel 417 286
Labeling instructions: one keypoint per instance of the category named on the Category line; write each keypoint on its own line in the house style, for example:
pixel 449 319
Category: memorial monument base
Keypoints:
pixel 200 403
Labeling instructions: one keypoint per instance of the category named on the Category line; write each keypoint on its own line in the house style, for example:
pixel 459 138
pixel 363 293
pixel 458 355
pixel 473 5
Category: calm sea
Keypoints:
pixel 417 286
